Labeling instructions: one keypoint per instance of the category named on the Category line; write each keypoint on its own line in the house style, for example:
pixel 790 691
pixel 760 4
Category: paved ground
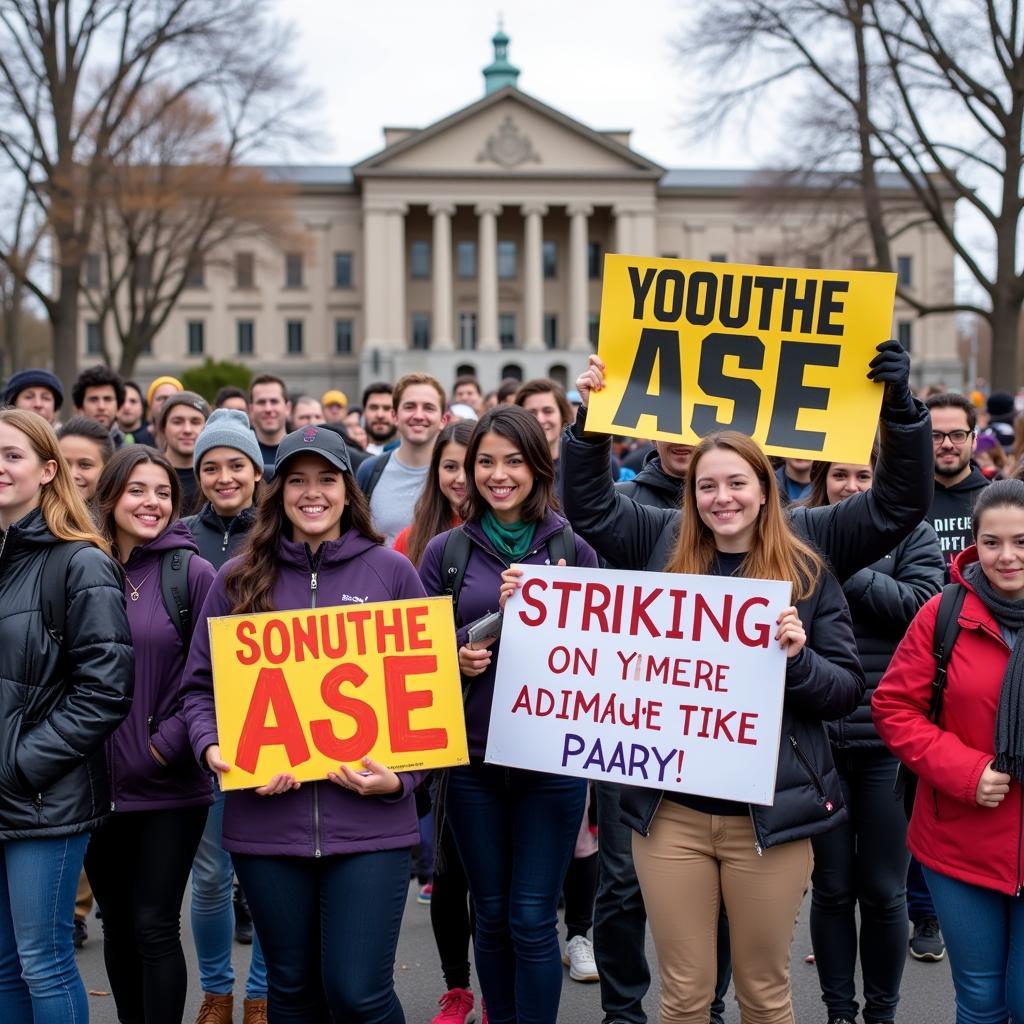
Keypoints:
pixel 927 990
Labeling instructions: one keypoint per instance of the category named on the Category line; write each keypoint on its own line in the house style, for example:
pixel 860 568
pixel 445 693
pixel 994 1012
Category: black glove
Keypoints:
pixel 892 368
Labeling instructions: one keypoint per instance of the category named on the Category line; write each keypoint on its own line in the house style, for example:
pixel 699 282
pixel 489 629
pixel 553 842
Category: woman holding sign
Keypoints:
pixel 693 852
pixel 515 830
pixel 325 865
pixel 965 743
pixel 863 863
pixel 139 861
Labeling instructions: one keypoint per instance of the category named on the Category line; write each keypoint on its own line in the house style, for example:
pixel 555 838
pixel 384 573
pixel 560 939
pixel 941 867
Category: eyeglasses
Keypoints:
pixel 957 437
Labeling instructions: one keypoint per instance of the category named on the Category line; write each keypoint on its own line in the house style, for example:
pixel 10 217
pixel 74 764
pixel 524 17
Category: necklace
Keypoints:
pixel 135 589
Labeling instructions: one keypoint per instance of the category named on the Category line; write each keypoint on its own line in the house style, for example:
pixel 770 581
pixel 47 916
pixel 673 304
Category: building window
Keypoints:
pixel 766 259
pixel 905 270
pixel 293 270
pixel 718 257
pixel 293 335
pixel 507 259
pixel 812 261
pixel 467 331
pixel 343 337
pixel 142 270
pixel 858 261
pixel 93 343
pixel 91 270
pixel 343 270
pixel 551 330
pixel 245 331
pixel 594 261
pixel 245 267
pixel 550 257
pixel 507 330
pixel 195 274
pixel 593 329
pixel 196 337
pixel 904 333
pixel 419 259
pixel 513 370
pixel 465 255
pixel 421 331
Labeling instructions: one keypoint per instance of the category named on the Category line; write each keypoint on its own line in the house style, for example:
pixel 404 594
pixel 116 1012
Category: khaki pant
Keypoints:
pixel 83 901
pixel 689 862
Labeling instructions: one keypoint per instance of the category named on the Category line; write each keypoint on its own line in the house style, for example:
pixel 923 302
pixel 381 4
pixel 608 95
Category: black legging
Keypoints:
pixel 138 864
pixel 580 891
pixel 451 912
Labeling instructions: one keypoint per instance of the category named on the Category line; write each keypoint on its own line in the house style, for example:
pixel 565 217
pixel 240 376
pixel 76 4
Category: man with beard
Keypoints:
pixel 269 410
pixel 379 418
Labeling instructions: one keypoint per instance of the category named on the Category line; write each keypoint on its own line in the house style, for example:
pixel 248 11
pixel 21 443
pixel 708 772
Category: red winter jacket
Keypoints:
pixel 949 832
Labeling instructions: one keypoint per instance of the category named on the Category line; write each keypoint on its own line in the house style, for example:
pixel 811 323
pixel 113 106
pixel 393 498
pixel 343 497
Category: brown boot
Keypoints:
pixel 255 1011
pixel 215 1009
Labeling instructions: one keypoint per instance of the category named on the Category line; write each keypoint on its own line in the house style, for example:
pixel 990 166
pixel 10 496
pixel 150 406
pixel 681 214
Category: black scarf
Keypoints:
pixel 1009 739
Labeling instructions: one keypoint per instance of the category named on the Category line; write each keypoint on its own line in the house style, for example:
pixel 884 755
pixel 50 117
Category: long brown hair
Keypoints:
pixel 64 509
pixel 818 494
pixel 433 512
pixel 776 554
pixel 253 574
pixel 114 479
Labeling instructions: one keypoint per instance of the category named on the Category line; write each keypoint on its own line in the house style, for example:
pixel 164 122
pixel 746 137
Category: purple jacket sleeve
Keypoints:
pixel 171 738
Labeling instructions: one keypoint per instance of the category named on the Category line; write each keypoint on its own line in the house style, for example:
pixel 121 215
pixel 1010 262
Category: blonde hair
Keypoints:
pixel 776 553
pixel 63 508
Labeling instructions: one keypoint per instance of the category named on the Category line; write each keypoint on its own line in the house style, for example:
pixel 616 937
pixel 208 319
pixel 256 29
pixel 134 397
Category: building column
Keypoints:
pixel 443 329
pixel 533 273
pixel 385 263
pixel 579 285
pixel 487 277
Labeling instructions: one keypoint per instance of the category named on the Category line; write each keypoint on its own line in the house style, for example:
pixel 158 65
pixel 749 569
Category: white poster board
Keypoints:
pixel 652 679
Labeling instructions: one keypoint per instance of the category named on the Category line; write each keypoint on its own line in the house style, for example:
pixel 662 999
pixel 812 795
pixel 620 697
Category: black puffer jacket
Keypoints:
pixel 219 539
pixel 823 681
pixel 883 599
pixel 53 775
pixel 653 486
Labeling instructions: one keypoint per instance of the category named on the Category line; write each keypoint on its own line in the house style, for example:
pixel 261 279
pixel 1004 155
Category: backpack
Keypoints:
pixel 455 558
pixel 375 473
pixel 947 629
pixel 173 588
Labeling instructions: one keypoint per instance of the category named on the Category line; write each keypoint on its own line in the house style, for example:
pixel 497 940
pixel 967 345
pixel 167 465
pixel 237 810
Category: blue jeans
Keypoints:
pixel 330 929
pixel 515 831
pixel 213 915
pixel 984 933
pixel 39 979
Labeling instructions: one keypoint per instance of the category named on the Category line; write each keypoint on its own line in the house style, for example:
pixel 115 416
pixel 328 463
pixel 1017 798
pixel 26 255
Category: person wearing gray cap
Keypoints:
pixel 37 390
pixel 181 420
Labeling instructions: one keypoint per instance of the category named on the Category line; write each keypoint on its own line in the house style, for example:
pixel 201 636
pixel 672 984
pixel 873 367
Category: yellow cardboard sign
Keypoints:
pixel 305 691
pixel 778 353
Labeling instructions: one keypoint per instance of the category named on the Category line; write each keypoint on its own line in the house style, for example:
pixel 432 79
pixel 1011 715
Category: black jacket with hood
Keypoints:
pixel 219 539
pixel 653 486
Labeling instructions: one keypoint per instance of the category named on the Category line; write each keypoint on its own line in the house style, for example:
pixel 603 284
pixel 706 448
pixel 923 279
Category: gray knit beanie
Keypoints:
pixel 228 428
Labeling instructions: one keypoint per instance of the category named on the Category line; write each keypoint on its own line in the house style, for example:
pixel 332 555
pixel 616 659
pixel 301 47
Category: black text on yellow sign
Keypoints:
pixel 778 353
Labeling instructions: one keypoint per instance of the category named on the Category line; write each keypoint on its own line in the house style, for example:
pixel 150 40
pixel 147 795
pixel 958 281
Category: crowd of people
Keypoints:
pixel 132 521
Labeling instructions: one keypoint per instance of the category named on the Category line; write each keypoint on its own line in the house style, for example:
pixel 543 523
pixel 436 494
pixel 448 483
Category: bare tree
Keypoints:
pixel 932 91
pixel 71 74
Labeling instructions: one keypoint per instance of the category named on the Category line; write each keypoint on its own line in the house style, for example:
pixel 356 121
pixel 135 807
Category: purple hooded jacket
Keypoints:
pixel 479 595
pixel 319 818
pixel 138 782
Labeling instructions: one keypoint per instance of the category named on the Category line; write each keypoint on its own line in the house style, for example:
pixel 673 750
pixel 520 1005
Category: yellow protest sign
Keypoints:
pixel 307 690
pixel 775 352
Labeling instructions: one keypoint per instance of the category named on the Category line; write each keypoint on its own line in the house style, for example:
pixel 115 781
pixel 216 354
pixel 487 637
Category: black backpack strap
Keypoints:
pixel 375 473
pixel 454 559
pixel 174 590
pixel 562 545
pixel 947 628
pixel 53 589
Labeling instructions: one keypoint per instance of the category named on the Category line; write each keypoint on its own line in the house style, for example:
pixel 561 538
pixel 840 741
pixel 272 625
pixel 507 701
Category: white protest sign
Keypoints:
pixel 652 679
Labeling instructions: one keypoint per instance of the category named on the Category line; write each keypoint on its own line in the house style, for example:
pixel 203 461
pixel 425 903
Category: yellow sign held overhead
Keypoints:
pixel 305 691
pixel 778 353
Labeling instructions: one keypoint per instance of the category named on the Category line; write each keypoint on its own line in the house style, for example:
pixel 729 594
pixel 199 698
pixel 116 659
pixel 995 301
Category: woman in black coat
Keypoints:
pixel 864 861
pixel 60 697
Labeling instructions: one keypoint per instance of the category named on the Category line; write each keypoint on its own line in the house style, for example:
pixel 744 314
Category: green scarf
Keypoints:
pixel 512 540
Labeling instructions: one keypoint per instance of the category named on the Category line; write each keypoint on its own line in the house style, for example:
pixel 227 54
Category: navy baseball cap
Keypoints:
pixel 328 444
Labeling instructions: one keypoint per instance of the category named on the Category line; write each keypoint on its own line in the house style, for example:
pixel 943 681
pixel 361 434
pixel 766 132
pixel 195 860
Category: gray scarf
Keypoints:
pixel 1009 739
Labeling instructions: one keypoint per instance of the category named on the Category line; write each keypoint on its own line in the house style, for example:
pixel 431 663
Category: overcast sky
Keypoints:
pixel 411 62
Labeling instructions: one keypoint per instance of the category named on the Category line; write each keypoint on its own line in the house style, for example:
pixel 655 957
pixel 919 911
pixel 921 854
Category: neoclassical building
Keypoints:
pixel 476 245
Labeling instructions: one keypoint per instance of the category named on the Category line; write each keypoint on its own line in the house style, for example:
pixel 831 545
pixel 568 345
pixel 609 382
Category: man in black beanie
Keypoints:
pixel 39 391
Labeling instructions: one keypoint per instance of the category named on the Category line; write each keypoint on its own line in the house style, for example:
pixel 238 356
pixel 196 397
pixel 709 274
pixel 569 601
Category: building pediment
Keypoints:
pixel 508 133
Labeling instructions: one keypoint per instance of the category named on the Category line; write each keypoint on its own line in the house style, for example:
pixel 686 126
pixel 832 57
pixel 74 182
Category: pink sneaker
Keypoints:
pixel 456 1006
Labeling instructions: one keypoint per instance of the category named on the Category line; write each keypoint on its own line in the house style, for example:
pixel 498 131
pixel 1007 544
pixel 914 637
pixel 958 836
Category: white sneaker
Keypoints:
pixel 579 958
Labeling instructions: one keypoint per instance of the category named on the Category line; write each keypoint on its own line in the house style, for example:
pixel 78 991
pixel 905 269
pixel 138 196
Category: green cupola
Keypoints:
pixel 500 72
